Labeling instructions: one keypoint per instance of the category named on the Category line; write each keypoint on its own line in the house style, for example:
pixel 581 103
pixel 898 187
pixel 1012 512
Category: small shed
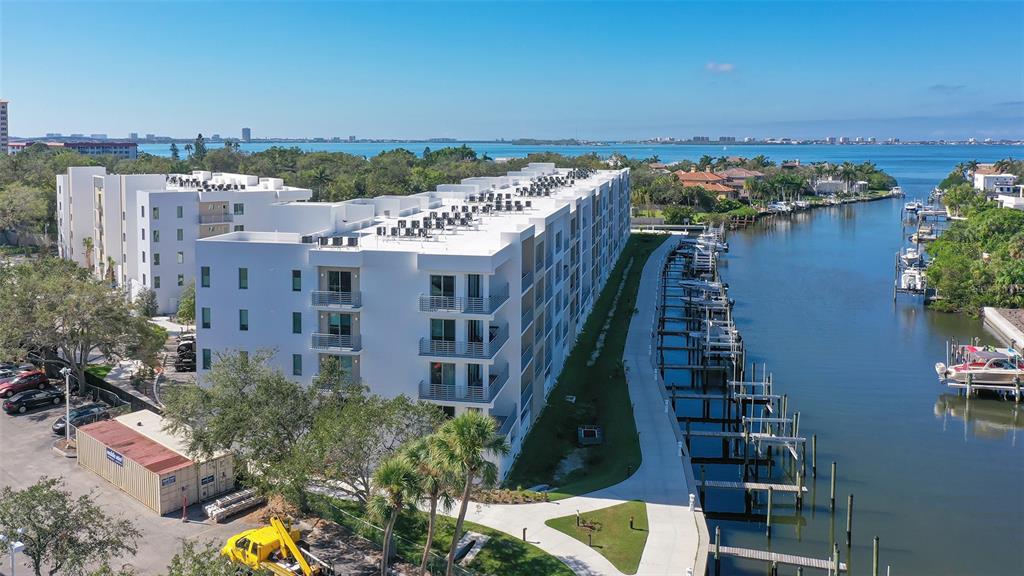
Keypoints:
pixel 134 453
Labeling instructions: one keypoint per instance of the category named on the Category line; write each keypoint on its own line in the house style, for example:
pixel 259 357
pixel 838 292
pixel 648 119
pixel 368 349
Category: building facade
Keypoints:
pixel 469 296
pixel 128 150
pixel 996 183
pixel 139 230
pixel 4 133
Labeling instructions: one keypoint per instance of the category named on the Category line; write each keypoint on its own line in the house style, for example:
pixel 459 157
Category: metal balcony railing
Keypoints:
pixel 466 304
pixel 464 349
pixel 527 280
pixel 216 218
pixel 477 392
pixel 332 299
pixel 343 342
pixel 526 357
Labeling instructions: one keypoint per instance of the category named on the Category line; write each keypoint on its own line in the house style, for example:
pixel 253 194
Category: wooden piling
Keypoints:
pixel 832 491
pixel 768 528
pixel 718 545
pixel 835 558
pixel 849 521
pixel 814 456
pixel 702 499
pixel 874 557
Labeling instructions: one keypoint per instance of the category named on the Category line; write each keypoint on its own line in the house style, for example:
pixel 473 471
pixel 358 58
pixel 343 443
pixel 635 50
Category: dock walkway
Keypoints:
pixel 789 559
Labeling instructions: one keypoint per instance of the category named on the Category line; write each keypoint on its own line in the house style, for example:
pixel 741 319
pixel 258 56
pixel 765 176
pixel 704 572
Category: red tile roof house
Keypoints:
pixel 707 180
pixel 736 177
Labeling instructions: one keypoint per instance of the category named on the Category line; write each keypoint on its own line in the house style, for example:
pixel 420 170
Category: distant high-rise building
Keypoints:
pixel 150 136
pixel 701 139
pixel 215 137
pixel 133 136
pixel 750 139
pixel 246 134
pixel 872 140
pixel 98 136
pixel 351 138
pixel 831 140
pixel 3 127
pixel 726 138
pixel 844 140
pixel 53 134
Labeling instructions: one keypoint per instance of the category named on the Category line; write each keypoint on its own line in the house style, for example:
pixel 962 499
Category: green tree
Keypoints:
pixel 358 431
pixel 396 487
pixel 193 560
pixel 63 534
pixel 22 207
pixel 676 215
pixel 54 304
pixel 146 304
pixel 188 150
pixel 187 304
pixel 464 443
pixel 321 179
pixel 437 481
pixel 175 155
pixel 89 247
pixel 199 148
pixel 256 413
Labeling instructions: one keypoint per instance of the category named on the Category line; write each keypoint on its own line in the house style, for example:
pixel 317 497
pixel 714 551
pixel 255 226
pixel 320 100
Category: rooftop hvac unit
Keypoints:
pixel 323 240
pixel 307 239
pixel 353 241
pixel 336 241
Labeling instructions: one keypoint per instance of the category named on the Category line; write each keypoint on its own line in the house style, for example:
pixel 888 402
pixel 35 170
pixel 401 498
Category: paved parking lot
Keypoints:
pixel 26 454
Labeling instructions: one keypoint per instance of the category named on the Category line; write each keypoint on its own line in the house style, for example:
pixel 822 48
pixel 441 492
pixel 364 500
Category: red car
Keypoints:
pixel 24 381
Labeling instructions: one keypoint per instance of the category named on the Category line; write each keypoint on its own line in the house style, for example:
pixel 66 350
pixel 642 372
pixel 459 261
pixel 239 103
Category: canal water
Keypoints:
pixel 940 481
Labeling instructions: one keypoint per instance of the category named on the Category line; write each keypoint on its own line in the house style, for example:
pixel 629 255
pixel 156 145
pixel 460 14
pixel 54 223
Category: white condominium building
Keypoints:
pixel 139 230
pixel 469 296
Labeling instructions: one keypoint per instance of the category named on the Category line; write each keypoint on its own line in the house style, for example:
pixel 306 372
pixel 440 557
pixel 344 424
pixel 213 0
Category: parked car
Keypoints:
pixel 24 381
pixel 17 366
pixel 23 401
pixel 185 364
pixel 187 347
pixel 81 416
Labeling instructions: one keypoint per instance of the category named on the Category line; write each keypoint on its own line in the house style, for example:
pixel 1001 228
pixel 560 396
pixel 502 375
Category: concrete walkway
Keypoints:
pixel 664 481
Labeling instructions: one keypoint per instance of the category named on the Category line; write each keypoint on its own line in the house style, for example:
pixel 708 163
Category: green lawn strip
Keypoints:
pixel 610 532
pixel 602 396
pixel 99 370
pixel 503 554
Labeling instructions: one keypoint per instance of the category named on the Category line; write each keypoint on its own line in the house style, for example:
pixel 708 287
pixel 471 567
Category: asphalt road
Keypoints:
pixel 26 455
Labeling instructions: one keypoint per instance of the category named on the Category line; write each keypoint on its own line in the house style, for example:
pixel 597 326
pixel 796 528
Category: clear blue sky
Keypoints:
pixel 469 70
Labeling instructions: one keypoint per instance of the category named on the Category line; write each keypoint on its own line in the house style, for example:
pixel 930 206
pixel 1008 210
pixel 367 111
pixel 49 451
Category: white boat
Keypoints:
pixel 912 206
pixel 912 279
pixel 802 204
pixel 985 365
pixel 911 256
pixel 896 191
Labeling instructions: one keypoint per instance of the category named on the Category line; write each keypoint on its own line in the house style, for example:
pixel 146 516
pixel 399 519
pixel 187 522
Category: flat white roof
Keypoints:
pixel 473 233
pixel 151 425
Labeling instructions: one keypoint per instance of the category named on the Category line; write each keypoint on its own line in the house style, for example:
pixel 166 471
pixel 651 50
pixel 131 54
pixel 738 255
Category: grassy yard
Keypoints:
pixel 99 370
pixel 609 532
pixel 503 554
pixel 601 395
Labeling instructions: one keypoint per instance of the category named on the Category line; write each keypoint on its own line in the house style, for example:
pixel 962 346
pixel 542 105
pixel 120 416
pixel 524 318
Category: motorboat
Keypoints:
pixel 911 256
pixel 802 204
pixel 896 191
pixel 779 207
pixel 985 365
pixel 912 206
pixel 913 279
pixel 925 233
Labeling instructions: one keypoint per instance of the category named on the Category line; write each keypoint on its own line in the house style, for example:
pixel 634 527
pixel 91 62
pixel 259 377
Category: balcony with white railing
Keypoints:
pixel 479 392
pixel 337 300
pixel 466 304
pixel 464 349
pixel 216 218
pixel 527 280
pixel 336 343
pixel 526 357
pixel 527 318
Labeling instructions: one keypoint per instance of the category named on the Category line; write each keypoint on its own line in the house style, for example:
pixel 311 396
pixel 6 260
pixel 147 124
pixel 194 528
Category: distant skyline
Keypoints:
pixel 916 70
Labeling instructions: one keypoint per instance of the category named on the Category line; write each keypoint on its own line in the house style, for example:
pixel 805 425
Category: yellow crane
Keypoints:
pixel 272 548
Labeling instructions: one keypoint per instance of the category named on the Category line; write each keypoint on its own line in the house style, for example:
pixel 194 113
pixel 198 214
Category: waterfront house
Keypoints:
pixel 713 183
pixel 735 178
pixel 1012 197
pixel 995 184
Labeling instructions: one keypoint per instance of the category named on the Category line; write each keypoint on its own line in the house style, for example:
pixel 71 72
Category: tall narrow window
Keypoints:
pixel 180 211
pixel 142 211
pixel 181 257
pixel 442 330
pixel 181 235
pixel 204 276
pixel 207 357
pixel 473 286
pixel 156 281
pixel 296 364
pixel 296 322
pixel 239 209
pixel 339 281
pixel 296 280
pixel 442 286
pixel 143 233
pixel 156 258
pixel 156 235
pixel 243 278
pixel 205 316
pixel 181 279
pixel 156 213
pixel 243 320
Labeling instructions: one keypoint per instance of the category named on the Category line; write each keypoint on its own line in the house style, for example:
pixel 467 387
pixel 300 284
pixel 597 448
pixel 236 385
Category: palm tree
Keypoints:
pixel 111 264
pixel 89 246
pixel 188 150
pixel 396 485
pixel 321 178
pixel 464 442
pixel 972 167
pixel 704 162
pixel 848 174
pixel 437 480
